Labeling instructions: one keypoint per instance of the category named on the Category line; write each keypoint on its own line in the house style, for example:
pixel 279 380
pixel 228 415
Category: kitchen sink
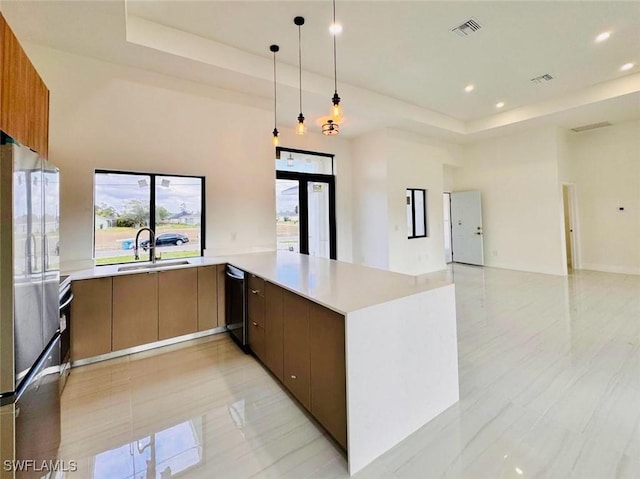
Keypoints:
pixel 143 266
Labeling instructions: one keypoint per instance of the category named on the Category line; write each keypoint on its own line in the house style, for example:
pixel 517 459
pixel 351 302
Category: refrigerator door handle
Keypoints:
pixel 46 252
pixel 31 256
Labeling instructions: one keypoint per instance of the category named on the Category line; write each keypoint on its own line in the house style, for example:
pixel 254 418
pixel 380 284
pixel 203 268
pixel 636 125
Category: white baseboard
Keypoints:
pixel 607 268
pixel 525 268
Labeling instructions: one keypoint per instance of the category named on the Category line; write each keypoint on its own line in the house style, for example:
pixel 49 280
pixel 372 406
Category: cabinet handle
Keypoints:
pixel 254 291
pixel 255 324
pixel 293 377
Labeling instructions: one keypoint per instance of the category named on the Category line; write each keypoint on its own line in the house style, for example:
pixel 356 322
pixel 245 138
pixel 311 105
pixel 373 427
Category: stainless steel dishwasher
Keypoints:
pixel 236 306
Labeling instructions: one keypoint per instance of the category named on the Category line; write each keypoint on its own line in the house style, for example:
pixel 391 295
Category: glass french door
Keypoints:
pixel 305 213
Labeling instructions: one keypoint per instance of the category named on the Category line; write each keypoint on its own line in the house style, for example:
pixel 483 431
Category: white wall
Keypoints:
pixel 605 165
pixel 448 177
pixel 521 199
pixel 414 164
pixel 114 117
pixel 369 196
pixel 386 163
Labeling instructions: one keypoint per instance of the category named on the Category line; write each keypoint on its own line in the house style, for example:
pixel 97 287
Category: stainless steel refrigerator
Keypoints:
pixel 29 300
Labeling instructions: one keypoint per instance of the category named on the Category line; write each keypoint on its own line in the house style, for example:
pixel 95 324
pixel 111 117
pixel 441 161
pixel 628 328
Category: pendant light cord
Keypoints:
pixel 300 63
pixel 335 69
pixel 275 92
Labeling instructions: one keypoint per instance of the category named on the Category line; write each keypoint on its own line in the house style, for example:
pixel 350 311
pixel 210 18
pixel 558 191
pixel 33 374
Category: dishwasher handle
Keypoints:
pixel 235 273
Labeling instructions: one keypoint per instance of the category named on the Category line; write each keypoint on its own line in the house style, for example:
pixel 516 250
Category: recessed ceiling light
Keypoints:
pixel 500 104
pixel 627 66
pixel 469 88
pixel 603 36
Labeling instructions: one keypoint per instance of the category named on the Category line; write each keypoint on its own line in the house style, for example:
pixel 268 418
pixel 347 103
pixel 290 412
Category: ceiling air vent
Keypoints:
pixel 542 78
pixel 467 28
pixel 592 126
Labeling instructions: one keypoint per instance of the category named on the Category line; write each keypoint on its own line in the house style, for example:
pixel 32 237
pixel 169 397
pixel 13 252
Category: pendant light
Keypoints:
pixel 274 49
pixel 336 110
pixel 330 128
pixel 300 128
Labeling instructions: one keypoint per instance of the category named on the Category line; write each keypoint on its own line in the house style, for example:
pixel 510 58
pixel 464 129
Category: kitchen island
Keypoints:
pixel 400 341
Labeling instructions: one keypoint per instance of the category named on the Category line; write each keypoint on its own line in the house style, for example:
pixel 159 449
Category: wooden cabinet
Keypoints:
pixel 177 302
pixel 131 310
pixel 255 315
pixel 328 371
pixel 256 339
pixel 91 318
pixel 274 331
pixel 255 301
pixel 296 367
pixel 24 98
pixel 303 345
pixel 208 298
pixel 135 310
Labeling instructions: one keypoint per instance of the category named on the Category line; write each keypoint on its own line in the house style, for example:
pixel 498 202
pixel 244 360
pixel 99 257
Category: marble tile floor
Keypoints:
pixel 549 381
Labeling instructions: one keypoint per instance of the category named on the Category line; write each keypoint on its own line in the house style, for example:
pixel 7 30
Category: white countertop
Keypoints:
pixel 342 287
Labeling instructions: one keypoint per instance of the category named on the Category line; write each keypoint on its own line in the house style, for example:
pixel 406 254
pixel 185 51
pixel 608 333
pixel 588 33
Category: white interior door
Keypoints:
pixel 466 220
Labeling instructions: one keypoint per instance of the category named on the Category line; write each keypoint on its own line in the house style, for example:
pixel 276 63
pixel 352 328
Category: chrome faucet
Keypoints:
pixel 152 244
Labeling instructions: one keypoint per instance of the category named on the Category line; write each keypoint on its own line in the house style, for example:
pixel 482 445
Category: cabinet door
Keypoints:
pixel 255 301
pixel 273 329
pixel 91 318
pixel 256 340
pixel 135 310
pixel 177 302
pixel 221 287
pixel 207 298
pixel 255 316
pixel 328 371
pixel 24 98
pixel 296 347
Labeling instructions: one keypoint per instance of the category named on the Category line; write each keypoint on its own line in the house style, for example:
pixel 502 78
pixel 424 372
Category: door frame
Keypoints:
pixel 448 193
pixel 303 179
pixel 573 224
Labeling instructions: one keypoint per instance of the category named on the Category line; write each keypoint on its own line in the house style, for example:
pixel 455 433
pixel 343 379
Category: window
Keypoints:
pixel 305 203
pixel 416 213
pixel 171 205
pixel 302 161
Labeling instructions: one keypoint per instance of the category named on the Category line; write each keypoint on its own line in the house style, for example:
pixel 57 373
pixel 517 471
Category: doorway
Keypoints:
pixel 569 226
pixel 305 208
pixel 446 204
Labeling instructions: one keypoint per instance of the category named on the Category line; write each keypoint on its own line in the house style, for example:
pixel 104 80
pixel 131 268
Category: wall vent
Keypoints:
pixel 467 28
pixel 592 126
pixel 542 78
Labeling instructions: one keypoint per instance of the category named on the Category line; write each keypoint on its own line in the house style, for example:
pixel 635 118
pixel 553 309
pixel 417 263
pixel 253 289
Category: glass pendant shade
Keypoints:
pixel 336 109
pixel 301 128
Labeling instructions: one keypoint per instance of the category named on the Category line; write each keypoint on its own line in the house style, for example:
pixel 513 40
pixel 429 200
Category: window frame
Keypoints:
pixel 282 149
pixel 152 203
pixel 412 234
